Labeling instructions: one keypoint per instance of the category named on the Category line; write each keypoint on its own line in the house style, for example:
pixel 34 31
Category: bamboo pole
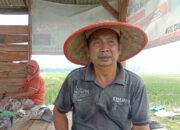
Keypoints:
pixel 30 29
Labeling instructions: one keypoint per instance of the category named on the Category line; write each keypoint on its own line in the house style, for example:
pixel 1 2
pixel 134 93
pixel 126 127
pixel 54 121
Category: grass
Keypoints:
pixel 53 81
pixel 163 89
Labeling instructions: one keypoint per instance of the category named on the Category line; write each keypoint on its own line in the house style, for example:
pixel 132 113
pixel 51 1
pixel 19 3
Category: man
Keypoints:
pixel 102 95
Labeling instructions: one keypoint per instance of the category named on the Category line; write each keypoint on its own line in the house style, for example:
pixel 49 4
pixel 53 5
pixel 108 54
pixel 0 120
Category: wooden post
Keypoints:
pixel 109 8
pixel 120 15
pixel 30 29
pixel 122 11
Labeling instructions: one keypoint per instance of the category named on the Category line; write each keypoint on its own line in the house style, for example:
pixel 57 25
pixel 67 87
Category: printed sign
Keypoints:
pixel 52 23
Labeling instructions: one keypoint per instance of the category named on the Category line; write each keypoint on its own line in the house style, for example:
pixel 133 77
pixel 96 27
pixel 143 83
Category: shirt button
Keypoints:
pixel 102 92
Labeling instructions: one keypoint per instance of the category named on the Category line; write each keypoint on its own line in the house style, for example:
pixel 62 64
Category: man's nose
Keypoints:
pixel 104 46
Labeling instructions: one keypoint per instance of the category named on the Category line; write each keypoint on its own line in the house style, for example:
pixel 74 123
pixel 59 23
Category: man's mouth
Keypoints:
pixel 104 57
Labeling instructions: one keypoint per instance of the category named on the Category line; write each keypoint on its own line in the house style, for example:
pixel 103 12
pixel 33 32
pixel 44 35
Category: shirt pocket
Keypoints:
pixel 120 111
pixel 84 107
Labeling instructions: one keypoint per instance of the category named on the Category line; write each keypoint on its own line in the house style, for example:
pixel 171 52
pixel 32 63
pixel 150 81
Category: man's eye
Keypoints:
pixel 97 42
pixel 111 42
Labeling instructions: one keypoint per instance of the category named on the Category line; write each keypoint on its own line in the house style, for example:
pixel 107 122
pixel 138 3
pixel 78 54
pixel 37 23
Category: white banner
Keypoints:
pixel 52 23
pixel 159 18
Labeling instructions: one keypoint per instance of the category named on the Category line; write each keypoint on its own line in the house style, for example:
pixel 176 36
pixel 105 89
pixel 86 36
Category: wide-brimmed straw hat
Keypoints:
pixel 132 38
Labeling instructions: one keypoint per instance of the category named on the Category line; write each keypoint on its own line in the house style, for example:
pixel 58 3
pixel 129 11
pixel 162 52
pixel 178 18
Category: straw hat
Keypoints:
pixel 132 38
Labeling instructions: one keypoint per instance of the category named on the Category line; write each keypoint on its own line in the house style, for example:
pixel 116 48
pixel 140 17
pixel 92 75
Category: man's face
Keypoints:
pixel 104 48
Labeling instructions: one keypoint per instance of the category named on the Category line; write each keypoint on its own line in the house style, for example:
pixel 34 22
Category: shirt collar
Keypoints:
pixel 120 78
pixel 88 75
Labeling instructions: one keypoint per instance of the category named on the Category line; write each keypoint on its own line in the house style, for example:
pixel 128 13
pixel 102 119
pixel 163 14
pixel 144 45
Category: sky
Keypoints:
pixel 162 59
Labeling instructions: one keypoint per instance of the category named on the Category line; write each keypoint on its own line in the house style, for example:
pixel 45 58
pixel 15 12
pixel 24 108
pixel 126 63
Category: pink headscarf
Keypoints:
pixel 29 78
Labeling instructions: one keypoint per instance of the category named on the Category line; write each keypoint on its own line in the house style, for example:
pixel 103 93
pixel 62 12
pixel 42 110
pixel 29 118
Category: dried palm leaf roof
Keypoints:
pixel 21 6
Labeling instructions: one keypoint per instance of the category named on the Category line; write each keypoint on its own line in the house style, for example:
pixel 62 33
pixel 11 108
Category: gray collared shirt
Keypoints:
pixel 116 107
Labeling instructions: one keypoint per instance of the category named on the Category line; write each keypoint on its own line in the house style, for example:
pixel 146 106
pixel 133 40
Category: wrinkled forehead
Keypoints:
pixel 103 32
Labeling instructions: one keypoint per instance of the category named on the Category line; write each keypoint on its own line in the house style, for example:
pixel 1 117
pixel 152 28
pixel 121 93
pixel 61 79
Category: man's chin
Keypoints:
pixel 105 63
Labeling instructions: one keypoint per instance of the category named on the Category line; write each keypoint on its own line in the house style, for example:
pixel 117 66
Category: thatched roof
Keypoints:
pixel 13 6
pixel 79 2
pixel 21 6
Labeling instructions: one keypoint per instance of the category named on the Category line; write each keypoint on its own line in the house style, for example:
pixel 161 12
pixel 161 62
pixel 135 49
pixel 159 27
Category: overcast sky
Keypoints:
pixel 162 59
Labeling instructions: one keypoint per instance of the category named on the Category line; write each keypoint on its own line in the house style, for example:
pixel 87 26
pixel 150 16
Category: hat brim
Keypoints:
pixel 133 40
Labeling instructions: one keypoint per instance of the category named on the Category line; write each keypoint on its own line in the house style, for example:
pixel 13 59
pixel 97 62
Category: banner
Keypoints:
pixel 52 23
pixel 159 18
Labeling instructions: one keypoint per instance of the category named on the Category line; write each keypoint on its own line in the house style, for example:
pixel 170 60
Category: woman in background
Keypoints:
pixel 31 93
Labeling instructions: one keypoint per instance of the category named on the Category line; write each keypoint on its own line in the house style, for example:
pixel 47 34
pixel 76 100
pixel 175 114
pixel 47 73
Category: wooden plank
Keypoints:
pixel 39 125
pixel 13 56
pixel 15 66
pixel 30 29
pixel 12 11
pixel 22 124
pixel 12 71
pixel 9 38
pixel 11 84
pixel 51 126
pixel 13 47
pixel 27 124
pixel 13 29
pixel 109 8
pixel 9 89
pixel 10 65
pixel 9 74
pixel 123 9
